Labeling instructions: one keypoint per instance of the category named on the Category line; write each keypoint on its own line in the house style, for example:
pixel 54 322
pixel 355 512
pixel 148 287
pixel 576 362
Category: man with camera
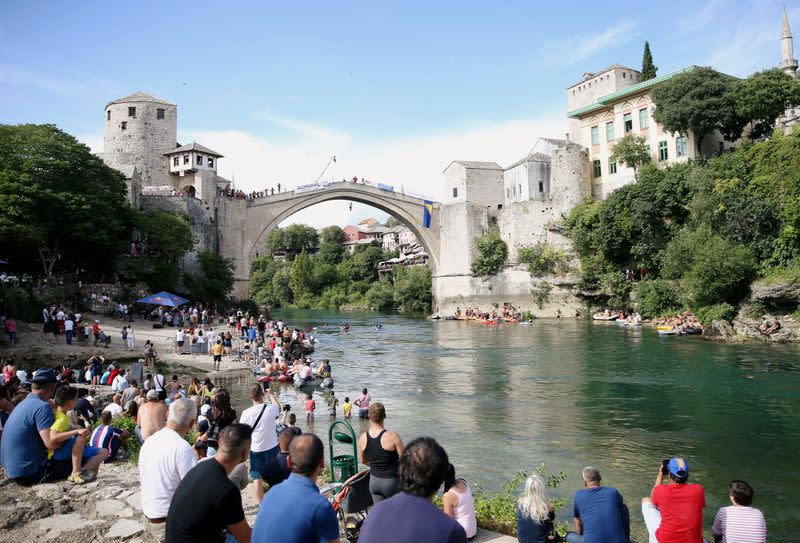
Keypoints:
pixel 674 511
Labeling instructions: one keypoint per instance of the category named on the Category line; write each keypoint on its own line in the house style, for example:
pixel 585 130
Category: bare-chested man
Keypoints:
pixel 152 415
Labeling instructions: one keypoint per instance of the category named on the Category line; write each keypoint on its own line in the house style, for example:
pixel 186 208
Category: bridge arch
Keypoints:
pixel 264 216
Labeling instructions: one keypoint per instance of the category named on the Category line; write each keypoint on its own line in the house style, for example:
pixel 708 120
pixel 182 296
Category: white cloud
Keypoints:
pixel 413 164
pixel 617 34
pixel 19 77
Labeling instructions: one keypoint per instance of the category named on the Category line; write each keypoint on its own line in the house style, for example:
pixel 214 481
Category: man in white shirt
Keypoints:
pixel 180 337
pixel 264 441
pixel 164 460
pixel 69 329
pixel 159 384
pixel 115 407
pixel 120 382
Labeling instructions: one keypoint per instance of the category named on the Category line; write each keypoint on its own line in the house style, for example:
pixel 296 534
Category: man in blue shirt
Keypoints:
pixel 26 436
pixel 294 511
pixel 601 515
pixel 410 516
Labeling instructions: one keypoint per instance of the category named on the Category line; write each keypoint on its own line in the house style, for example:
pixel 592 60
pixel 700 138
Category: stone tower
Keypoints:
pixel 139 129
pixel 788 62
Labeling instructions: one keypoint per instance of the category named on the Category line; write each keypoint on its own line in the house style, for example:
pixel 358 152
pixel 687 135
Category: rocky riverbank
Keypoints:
pixel 106 510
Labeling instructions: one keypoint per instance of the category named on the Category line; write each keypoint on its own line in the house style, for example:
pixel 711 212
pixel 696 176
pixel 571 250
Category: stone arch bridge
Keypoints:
pixel 243 225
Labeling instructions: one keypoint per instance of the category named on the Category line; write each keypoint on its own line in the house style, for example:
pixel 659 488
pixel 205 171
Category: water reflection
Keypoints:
pixel 573 393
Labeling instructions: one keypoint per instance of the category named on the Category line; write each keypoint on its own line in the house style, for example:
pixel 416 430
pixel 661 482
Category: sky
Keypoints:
pixel 394 90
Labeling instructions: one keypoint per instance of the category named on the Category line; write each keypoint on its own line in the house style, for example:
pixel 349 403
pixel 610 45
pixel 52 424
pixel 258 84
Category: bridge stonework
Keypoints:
pixel 243 225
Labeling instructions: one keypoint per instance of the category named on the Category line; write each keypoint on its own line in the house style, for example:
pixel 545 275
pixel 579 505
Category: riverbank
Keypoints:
pixel 32 351
pixel 108 509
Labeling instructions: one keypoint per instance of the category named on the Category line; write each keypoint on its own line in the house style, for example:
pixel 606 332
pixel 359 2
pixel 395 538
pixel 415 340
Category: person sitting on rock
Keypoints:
pixel 768 327
pixel 109 437
pixel 71 444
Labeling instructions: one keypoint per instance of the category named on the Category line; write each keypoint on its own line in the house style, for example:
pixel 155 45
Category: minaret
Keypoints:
pixel 788 62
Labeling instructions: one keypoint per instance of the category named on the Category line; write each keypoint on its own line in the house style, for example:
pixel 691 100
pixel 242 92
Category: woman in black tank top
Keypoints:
pixel 383 462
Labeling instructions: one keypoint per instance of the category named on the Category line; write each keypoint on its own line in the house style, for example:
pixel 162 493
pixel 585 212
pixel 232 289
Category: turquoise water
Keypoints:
pixel 575 393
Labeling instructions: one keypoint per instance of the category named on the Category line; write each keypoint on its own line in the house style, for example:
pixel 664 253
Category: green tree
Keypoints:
pixel 631 151
pixel 699 101
pixel 657 297
pixel 169 234
pixel 492 255
pixel 391 222
pixel 380 296
pixel 648 68
pixel 542 259
pixel 365 261
pixel 215 280
pixel 59 203
pixel 302 281
pixel 763 97
pixel 331 248
pixel 281 286
pixel 412 288
pixel 292 240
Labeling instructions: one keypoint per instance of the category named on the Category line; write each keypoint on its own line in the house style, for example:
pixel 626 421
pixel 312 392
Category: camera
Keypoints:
pixel 665 467
pixel 287 407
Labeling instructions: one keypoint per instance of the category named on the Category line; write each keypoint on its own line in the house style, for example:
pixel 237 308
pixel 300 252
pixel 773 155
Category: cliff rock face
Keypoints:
pixel 720 331
pixel 775 293
pixel 748 328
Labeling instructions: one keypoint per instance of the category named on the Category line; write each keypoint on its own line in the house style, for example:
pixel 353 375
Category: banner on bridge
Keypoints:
pixel 309 187
pixel 384 186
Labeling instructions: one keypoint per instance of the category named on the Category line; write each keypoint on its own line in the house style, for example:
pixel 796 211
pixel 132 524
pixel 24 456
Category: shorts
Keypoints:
pixel 64 452
pixel 12 336
pixel 363 413
pixel 217 358
pixel 180 343
pixel 259 459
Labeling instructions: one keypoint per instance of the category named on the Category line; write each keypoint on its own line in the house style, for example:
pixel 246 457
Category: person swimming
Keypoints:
pixel 346 328
pixel 378 327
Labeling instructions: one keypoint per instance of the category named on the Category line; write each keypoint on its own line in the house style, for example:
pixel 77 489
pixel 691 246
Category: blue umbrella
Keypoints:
pixel 163 298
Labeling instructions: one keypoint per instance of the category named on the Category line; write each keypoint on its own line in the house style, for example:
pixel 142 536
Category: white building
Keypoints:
pixel 468 181
pixel 627 109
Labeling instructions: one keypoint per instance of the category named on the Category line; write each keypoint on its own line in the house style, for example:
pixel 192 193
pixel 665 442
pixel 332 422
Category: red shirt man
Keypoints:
pixel 674 512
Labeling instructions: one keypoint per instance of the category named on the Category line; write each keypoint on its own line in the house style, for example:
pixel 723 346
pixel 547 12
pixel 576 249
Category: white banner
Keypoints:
pixel 309 187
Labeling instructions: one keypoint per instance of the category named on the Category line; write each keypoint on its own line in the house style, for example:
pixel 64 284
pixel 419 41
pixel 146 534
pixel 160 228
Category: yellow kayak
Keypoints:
pixel 664 327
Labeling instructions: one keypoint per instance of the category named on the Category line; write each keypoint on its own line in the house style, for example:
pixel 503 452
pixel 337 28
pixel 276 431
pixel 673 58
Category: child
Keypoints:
pixel 109 438
pixel 72 443
pixel 346 407
pixel 310 407
pixel 333 401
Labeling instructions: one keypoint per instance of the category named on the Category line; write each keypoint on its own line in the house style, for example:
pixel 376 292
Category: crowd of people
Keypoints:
pixel 191 491
pixel 252 195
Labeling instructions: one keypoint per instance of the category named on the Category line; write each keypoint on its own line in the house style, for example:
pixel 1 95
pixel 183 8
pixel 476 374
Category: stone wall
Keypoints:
pixel 512 285
pixel 204 225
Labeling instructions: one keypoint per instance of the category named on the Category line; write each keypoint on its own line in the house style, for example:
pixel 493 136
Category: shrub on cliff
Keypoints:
pixel 656 297
pixel 542 259
pixel 492 255
pixel 718 312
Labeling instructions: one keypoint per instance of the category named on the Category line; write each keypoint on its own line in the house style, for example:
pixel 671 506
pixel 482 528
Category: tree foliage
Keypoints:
pixel 542 259
pixel 302 280
pixel 631 151
pixel 648 68
pixel 168 234
pixel 59 203
pixel 331 249
pixel 699 101
pixel 491 256
pixel 412 288
pixel 763 97
pixel 214 282
pixel 292 240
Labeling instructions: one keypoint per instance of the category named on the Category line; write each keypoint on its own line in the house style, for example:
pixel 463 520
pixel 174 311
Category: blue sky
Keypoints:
pixel 395 90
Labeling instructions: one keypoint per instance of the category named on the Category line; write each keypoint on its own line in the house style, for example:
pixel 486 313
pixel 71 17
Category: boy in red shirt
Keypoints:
pixel 674 512
pixel 311 405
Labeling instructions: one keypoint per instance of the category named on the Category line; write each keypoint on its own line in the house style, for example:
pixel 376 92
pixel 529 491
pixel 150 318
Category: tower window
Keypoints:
pixel 199 160
pixel 455 192
pixel 123 125
pixel 131 112
pixel 186 159
pixel 176 161
pixel 159 113
pixel 108 115
pixel 210 162
pixel 541 186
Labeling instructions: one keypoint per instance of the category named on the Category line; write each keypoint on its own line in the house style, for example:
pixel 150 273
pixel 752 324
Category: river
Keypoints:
pixel 575 393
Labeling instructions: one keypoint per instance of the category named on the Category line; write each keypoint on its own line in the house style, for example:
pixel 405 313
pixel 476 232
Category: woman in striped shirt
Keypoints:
pixel 740 523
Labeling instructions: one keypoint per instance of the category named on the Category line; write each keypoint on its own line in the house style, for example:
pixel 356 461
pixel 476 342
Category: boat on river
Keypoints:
pixel 326 382
pixel 670 332
pixel 602 317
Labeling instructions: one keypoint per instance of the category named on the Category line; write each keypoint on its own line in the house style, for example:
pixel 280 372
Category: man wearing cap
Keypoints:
pixel 26 436
pixel 674 511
